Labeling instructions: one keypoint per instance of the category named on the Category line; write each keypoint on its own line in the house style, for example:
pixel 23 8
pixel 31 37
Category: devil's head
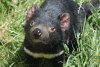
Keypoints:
pixel 41 28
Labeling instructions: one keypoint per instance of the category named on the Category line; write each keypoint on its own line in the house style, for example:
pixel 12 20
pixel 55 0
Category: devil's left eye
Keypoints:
pixel 52 29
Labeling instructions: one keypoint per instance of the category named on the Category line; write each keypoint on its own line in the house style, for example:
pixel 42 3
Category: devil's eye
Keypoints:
pixel 52 29
pixel 32 23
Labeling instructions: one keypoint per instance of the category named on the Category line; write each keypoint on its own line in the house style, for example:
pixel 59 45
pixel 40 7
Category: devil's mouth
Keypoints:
pixel 40 42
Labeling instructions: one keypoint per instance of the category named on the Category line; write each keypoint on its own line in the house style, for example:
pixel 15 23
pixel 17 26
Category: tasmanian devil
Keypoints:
pixel 49 26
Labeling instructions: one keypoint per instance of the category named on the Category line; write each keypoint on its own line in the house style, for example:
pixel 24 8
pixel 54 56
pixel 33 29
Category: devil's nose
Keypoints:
pixel 37 33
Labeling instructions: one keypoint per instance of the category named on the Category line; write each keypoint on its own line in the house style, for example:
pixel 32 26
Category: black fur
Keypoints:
pixel 49 15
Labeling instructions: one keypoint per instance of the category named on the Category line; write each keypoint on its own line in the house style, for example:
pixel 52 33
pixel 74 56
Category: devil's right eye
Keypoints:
pixel 32 23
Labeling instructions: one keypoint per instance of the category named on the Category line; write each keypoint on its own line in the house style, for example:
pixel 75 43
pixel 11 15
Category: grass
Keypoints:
pixel 12 19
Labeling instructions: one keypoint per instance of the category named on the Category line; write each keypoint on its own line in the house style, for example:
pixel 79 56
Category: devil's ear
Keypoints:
pixel 31 11
pixel 65 21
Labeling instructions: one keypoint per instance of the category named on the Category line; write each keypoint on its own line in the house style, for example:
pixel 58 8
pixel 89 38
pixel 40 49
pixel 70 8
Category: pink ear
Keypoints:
pixel 31 11
pixel 65 21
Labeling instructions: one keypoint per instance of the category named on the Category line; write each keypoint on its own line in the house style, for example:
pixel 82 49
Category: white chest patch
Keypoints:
pixel 42 55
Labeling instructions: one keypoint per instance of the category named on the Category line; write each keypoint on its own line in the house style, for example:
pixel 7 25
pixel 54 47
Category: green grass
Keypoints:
pixel 12 19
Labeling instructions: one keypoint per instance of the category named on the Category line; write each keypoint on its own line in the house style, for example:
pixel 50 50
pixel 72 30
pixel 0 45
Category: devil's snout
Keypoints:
pixel 37 33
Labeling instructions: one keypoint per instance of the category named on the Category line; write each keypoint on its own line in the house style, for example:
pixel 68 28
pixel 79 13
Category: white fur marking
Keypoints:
pixel 42 55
